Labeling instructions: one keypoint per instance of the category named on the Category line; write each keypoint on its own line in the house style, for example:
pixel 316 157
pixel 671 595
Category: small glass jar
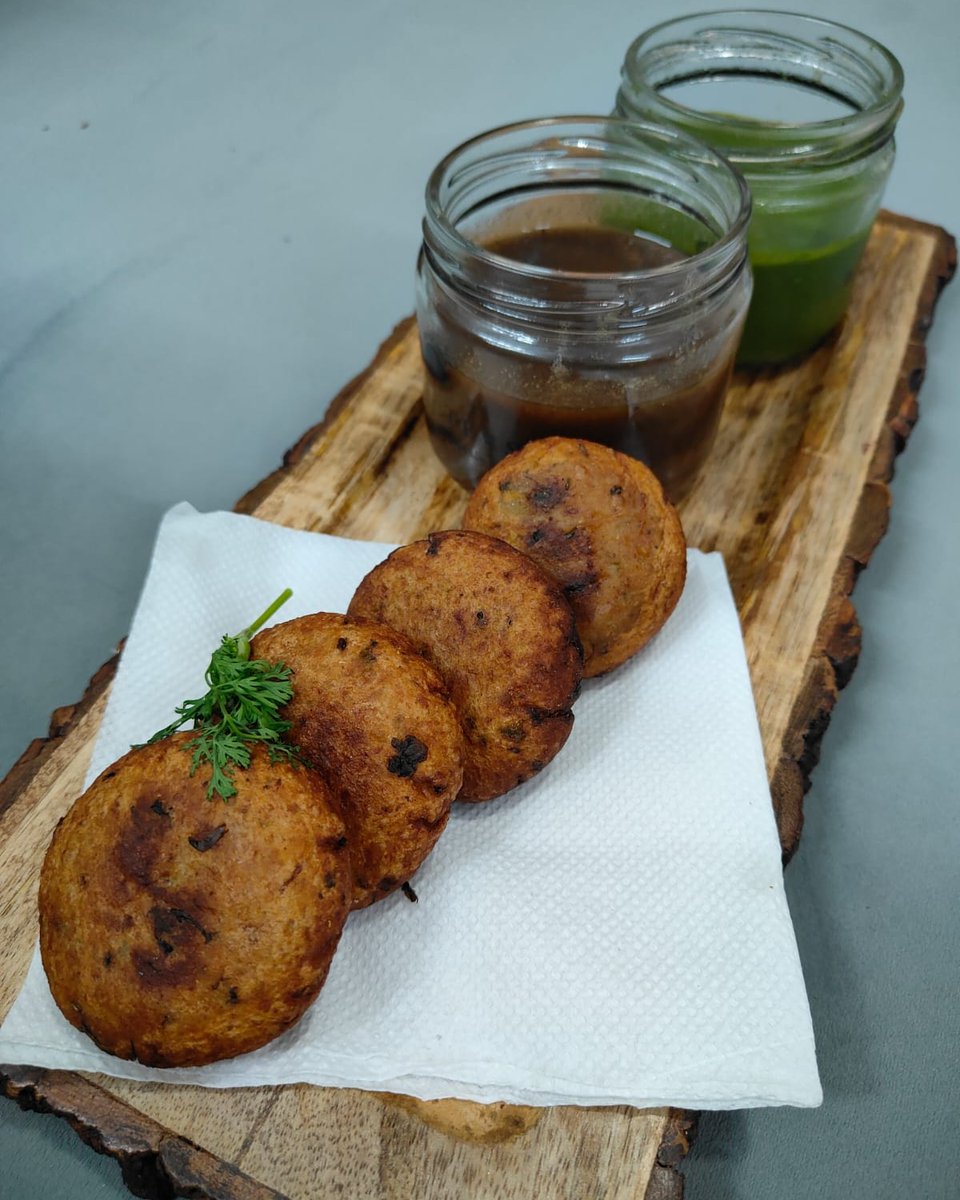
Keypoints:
pixel 582 276
pixel 806 110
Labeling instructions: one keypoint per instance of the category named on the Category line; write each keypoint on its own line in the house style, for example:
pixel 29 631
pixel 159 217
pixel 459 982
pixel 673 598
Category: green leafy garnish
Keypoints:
pixel 241 707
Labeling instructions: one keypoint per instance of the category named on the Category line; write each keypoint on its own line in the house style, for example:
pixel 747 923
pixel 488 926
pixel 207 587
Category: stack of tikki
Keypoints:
pixel 192 899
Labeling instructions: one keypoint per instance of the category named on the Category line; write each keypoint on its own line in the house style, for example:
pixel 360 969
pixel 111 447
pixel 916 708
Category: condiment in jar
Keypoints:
pixel 806 110
pixel 586 277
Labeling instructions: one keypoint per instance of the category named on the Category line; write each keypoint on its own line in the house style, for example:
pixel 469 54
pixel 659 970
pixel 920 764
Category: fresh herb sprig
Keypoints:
pixel 241 707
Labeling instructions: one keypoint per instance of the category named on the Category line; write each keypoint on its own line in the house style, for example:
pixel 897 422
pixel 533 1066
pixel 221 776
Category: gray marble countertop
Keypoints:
pixel 209 219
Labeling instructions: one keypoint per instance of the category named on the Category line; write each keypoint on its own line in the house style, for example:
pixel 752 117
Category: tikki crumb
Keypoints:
pixel 410 754
pixel 207 840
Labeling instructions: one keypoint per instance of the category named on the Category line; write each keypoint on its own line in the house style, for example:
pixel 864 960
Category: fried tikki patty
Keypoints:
pixel 599 523
pixel 178 930
pixel 500 633
pixel 375 718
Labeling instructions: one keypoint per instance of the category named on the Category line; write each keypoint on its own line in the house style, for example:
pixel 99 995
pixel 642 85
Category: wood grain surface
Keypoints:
pixel 795 496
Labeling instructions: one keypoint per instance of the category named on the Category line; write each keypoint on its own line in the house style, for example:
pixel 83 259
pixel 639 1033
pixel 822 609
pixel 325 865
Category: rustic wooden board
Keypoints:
pixel 795 497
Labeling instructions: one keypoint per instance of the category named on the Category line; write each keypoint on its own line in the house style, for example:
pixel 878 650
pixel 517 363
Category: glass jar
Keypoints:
pixel 806 110
pixel 582 276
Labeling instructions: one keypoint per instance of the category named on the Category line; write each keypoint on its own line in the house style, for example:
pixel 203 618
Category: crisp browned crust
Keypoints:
pixel 178 930
pixel 502 635
pixel 375 718
pixel 599 523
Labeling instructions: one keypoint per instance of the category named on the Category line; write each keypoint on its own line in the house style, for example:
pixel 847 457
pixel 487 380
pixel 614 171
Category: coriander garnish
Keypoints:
pixel 242 706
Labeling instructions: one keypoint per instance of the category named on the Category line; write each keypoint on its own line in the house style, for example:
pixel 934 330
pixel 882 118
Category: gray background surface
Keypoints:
pixel 209 218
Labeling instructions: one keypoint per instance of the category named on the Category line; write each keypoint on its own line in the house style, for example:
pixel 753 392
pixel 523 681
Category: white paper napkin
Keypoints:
pixel 614 931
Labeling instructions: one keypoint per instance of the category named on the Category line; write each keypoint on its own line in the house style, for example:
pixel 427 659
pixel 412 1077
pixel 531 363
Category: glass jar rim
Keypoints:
pixel 874 121
pixel 440 228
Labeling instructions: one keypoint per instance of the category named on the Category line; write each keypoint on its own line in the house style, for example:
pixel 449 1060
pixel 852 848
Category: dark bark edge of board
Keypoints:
pixel 155 1163
pixel 837 646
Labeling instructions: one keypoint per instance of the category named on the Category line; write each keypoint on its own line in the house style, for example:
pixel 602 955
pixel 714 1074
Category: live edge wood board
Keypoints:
pixel 795 496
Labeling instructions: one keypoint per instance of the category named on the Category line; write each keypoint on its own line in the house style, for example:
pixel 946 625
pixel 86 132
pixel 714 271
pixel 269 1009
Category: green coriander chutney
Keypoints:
pixel 800 292
pixel 816 182
pixel 798 298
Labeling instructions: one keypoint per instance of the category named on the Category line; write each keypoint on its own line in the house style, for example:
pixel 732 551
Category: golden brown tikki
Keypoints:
pixel 375 718
pixel 501 634
pixel 178 930
pixel 599 523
